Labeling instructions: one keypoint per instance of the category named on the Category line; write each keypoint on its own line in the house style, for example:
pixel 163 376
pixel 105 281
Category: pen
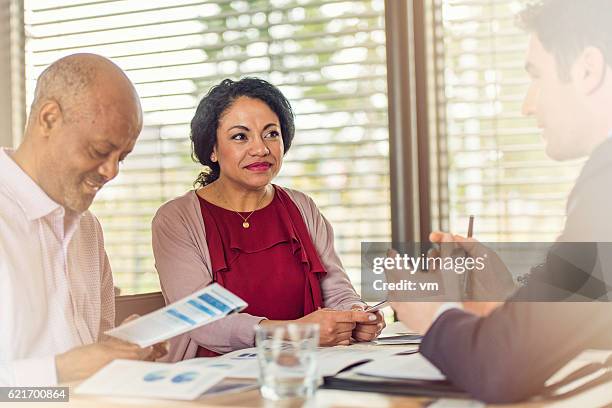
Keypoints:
pixel 466 279
pixel 377 306
pixel 471 227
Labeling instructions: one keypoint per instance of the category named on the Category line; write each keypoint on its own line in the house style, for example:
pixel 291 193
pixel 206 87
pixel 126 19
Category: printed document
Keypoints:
pixel 330 360
pixel 204 306
pixel 151 380
pixel 408 367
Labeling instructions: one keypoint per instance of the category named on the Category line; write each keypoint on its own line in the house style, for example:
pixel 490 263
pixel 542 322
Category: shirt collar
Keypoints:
pixel 30 197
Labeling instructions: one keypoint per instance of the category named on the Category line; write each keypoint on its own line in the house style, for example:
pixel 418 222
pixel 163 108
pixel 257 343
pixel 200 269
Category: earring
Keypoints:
pixel 213 157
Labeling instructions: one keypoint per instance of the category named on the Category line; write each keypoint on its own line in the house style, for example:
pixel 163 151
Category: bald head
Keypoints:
pixel 84 84
pixel 84 121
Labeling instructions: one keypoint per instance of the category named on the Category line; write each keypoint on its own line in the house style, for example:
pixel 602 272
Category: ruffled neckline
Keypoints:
pixel 270 226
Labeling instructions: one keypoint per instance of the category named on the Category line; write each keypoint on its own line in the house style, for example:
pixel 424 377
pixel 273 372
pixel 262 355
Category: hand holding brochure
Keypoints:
pixel 202 307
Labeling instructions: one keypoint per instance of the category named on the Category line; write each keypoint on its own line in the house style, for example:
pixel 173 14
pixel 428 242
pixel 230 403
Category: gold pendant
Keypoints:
pixel 246 224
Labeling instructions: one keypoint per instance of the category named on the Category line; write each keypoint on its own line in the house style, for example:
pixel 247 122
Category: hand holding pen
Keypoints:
pixel 494 282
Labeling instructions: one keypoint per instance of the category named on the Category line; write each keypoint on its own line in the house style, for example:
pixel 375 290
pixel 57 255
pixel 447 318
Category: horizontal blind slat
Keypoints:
pixel 327 56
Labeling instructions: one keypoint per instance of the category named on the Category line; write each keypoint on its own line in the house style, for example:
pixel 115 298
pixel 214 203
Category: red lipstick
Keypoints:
pixel 259 166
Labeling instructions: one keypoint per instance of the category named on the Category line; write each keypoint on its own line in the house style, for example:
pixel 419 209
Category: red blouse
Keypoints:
pixel 273 265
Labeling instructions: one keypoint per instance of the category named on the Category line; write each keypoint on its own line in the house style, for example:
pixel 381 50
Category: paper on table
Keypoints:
pixel 408 367
pixel 399 339
pixel 330 360
pixel 204 306
pixel 230 387
pixel 237 364
pixel 394 329
pixel 151 380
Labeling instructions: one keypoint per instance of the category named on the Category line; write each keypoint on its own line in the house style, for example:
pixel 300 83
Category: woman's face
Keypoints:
pixel 249 146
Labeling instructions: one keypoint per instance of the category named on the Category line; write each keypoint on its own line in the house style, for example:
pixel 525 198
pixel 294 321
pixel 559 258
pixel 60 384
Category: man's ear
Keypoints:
pixel 590 70
pixel 49 116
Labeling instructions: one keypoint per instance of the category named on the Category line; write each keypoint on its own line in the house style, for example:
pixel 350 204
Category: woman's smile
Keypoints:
pixel 259 166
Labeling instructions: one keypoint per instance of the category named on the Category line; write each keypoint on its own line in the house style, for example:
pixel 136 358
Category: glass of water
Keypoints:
pixel 287 360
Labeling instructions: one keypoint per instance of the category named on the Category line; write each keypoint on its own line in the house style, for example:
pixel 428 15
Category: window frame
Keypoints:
pixel 409 141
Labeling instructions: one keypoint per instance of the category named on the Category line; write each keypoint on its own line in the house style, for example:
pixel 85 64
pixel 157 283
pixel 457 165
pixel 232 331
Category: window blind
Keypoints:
pixel 12 112
pixel 5 74
pixel 490 159
pixel 328 57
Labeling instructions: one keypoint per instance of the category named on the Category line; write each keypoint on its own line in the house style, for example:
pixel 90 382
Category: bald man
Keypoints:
pixel 56 287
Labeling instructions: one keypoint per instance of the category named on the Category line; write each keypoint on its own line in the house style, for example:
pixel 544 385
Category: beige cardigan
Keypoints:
pixel 183 263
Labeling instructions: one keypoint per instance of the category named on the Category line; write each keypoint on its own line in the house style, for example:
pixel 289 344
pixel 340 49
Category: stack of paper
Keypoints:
pixel 399 339
pixel 406 367
pixel 330 360
pixel 189 379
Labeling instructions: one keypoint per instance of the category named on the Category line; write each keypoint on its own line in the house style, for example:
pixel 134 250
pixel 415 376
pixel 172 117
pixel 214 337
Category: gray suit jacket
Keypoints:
pixel 508 355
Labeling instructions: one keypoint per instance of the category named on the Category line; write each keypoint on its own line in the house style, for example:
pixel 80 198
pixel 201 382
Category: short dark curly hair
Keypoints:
pixel 220 98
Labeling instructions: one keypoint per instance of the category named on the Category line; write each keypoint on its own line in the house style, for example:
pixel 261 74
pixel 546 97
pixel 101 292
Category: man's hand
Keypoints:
pixel 494 282
pixel 417 316
pixel 159 349
pixel 431 286
pixel 82 362
pixel 370 330
pixel 481 308
pixel 336 326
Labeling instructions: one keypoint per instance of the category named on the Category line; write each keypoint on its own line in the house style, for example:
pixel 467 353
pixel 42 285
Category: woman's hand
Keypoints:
pixel 370 330
pixel 336 326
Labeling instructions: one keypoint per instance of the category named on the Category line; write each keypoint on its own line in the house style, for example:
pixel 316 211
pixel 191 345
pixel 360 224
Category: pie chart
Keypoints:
pixel 185 377
pixel 156 375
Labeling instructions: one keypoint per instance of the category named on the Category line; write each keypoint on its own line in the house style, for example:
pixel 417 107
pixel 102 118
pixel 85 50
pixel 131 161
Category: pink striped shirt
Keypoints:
pixel 56 286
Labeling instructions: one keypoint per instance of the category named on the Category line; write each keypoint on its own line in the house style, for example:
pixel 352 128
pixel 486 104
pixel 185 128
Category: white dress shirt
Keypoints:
pixel 56 287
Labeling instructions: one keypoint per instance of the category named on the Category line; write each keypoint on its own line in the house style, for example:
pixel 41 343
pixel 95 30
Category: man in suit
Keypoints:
pixel 508 355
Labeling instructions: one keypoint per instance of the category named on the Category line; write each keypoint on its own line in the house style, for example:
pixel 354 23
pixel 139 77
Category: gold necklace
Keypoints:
pixel 245 220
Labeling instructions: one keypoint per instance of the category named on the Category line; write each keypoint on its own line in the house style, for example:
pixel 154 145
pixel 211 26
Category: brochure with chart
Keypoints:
pixel 185 380
pixel 151 380
pixel 204 306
